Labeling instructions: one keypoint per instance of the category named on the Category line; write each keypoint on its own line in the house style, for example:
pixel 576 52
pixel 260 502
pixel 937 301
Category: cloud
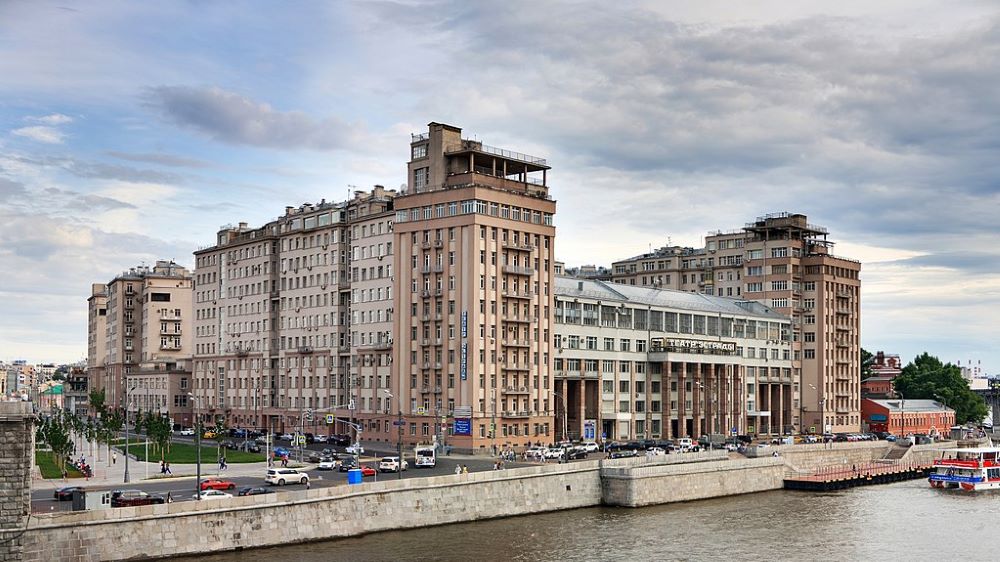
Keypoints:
pixel 162 159
pixel 11 190
pixel 48 135
pixel 235 119
pixel 53 119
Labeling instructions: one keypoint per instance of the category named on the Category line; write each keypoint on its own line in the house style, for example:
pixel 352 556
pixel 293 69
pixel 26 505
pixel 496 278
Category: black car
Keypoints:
pixel 347 464
pixel 576 454
pixel 339 440
pixel 623 453
pixel 310 438
pixel 231 445
pixel 66 492
pixel 313 457
pixel 254 490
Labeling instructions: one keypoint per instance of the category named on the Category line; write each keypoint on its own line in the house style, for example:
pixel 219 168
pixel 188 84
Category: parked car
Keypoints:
pixel 131 498
pixel 217 484
pixel 590 446
pixel 327 463
pixel 231 445
pixel 208 435
pixel 254 491
pixel 685 444
pixel 623 453
pixel 576 454
pixel 809 439
pixel 535 453
pixel 213 495
pixel 250 447
pixel 286 437
pixel 188 432
pixel 339 440
pixel 655 452
pixel 391 464
pixel 553 452
pixel 282 476
pixel 314 456
pixel 66 492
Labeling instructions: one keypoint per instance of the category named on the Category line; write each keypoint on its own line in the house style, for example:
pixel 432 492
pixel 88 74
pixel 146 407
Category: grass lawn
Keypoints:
pixel 49 469
pixel 184 453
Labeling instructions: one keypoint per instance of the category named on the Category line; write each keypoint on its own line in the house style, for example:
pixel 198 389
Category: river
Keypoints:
pixel 904 521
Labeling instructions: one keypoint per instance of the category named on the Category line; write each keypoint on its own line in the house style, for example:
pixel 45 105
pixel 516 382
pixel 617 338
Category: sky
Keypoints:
pixel 131 131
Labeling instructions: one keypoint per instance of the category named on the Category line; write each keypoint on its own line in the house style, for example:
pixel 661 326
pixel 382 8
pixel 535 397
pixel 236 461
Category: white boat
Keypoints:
pixel 972 469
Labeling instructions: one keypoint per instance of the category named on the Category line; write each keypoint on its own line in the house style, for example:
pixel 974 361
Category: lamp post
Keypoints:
pixel 902 408
pixel 127 407
pixel 715 410
pixel 399 434
pixel 197 445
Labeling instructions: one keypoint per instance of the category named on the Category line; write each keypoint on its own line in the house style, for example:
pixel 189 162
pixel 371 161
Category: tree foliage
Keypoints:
pixel 867 360
pixel 56 431
pixel 159 431
pixel 927 378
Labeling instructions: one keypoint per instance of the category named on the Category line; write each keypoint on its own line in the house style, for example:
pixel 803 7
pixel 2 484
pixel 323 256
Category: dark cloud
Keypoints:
pixel 235 119
pixel 101 170
pixel 968 262
pixel 162 159
pixel 82 202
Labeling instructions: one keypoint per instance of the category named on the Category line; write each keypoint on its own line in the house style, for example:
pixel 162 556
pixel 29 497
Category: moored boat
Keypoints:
pixel 972 470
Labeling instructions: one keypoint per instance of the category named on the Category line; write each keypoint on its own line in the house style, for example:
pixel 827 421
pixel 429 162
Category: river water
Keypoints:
pixel 904 521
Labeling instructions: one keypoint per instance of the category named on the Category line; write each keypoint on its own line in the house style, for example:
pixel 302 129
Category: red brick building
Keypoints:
pixel 906 417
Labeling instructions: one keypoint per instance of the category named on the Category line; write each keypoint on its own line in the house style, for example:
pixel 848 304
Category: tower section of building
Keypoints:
pixel 474 261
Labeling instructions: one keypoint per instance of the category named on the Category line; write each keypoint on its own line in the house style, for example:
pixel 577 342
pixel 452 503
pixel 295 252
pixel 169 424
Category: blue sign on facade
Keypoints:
pixel 878 418
pixel 463 426
pixel 465 356
pixel 589 430
pixel 465 324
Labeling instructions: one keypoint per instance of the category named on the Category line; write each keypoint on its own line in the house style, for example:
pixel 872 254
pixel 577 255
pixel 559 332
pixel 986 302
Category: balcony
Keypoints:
pixel 305 349
pixel 439 243
pixel 844 294
pixel 425 245
pixel 506 244
pixel 344 285
pixel 514 295
pixel 516 390
pixel 515 270
pixel 517 343
pixel 512 318
pixel 516 414
pixel 514 367
pixel 343 349
pixel 241 351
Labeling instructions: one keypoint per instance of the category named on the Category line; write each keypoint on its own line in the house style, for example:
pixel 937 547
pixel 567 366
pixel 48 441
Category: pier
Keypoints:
pixel 866 474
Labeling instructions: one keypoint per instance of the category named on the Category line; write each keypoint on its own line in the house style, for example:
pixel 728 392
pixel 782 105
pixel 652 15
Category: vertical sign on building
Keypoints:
pixel 465 346
pixel 465 324
pixel 462 366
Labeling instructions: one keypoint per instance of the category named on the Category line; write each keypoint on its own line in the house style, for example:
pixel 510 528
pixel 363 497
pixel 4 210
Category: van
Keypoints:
pixel 684 444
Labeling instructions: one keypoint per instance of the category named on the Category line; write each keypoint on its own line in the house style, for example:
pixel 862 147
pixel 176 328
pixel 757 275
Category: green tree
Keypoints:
pixel 55 430
pixel 111 426
pixel 159 431
pixel 867 360
pixel 927 378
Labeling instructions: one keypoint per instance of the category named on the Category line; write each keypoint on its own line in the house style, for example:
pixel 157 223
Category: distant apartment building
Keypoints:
pixel 785 263
pixel 885 368
pixel 634 363
pixel 474 285
pixel 144 314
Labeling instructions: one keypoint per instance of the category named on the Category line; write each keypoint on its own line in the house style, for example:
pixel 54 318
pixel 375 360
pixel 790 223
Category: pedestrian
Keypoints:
pixel 308 485
pixel 465 469
pixel 163 467
pixel 458 469
pixel 166 468
pixel 114 458
pixel 170 499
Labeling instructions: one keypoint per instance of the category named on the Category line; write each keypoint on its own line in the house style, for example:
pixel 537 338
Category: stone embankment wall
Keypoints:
pixel 806 458
pixel 17 434
pixel 675 482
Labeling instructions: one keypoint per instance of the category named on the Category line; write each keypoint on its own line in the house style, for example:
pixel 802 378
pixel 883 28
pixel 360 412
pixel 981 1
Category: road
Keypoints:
pixel 183 488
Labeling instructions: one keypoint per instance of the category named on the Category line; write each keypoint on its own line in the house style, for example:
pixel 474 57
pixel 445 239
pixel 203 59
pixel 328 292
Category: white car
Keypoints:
pixel 287 437
pixel 213 495
pixel 187 432
pixel 655 452
pixel 590 446
pixel 554 453
pixel 355 449
pixel 537 453
pixel 326 463
pixel 685 444
pixel 282 476
pixel 390 464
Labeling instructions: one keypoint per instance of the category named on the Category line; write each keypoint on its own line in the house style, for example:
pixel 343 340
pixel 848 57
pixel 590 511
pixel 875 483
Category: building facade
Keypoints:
pixel 908 417
pixel 786 263
pixel 142 315
pixel 474 270
pixel 633 363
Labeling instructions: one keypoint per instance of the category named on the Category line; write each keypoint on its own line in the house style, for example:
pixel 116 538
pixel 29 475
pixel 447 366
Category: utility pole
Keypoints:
pixel 493 424
pixel 399 439
pixel 197 445
pixel 127 391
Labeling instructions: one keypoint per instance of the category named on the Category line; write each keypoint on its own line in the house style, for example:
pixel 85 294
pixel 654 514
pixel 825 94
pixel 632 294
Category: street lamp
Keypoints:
pixel 399 434
pixel 197 445
pixel 715 410
pixel 822 409
pixel 127 407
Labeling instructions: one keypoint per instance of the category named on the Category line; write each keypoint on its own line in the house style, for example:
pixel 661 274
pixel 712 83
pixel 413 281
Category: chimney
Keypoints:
pixel 288 210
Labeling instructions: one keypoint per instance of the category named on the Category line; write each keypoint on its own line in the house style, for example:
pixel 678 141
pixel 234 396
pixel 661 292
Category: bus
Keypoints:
pixel 424 456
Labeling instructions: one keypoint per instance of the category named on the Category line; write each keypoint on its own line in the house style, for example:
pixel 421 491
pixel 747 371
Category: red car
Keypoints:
pixel 368 471
pixel 217 484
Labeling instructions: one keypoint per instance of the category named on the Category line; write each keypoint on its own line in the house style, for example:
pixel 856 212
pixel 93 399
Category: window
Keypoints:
pixel 809 336
pixel 755 287
pixel 419 151
pixel 809 353
pixel 421 177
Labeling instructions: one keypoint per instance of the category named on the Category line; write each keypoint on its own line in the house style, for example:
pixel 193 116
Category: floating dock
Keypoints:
pixel 843 477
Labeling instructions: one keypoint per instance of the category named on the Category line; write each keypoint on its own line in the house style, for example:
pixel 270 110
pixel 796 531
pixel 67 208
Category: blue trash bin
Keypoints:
pixel 354 476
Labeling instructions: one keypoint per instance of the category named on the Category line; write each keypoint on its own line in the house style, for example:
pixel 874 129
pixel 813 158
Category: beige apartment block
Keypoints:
pixel 162 387
pixel 474 270
pixel 371 216
pixel 786 263
pixel 146 318
pixel 97 340
pixel 635 363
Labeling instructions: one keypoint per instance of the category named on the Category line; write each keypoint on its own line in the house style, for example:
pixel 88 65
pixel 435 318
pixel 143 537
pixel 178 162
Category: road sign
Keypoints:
pixel 463 426
pixel 421 410
pixel 398 422
pixel 732 431
pixel 302 439
pixel 329 418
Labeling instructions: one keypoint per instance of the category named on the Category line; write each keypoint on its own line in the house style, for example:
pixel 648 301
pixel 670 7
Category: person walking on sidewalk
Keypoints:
pixel 166 468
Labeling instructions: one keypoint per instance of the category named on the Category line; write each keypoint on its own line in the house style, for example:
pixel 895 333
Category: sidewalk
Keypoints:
pixel 107 473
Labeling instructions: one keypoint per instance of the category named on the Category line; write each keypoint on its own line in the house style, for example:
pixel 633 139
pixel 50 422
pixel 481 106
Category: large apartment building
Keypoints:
pixel 141 317
pixel 474 245
pixel 292 319
pixel 636 363
pixel 786 263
